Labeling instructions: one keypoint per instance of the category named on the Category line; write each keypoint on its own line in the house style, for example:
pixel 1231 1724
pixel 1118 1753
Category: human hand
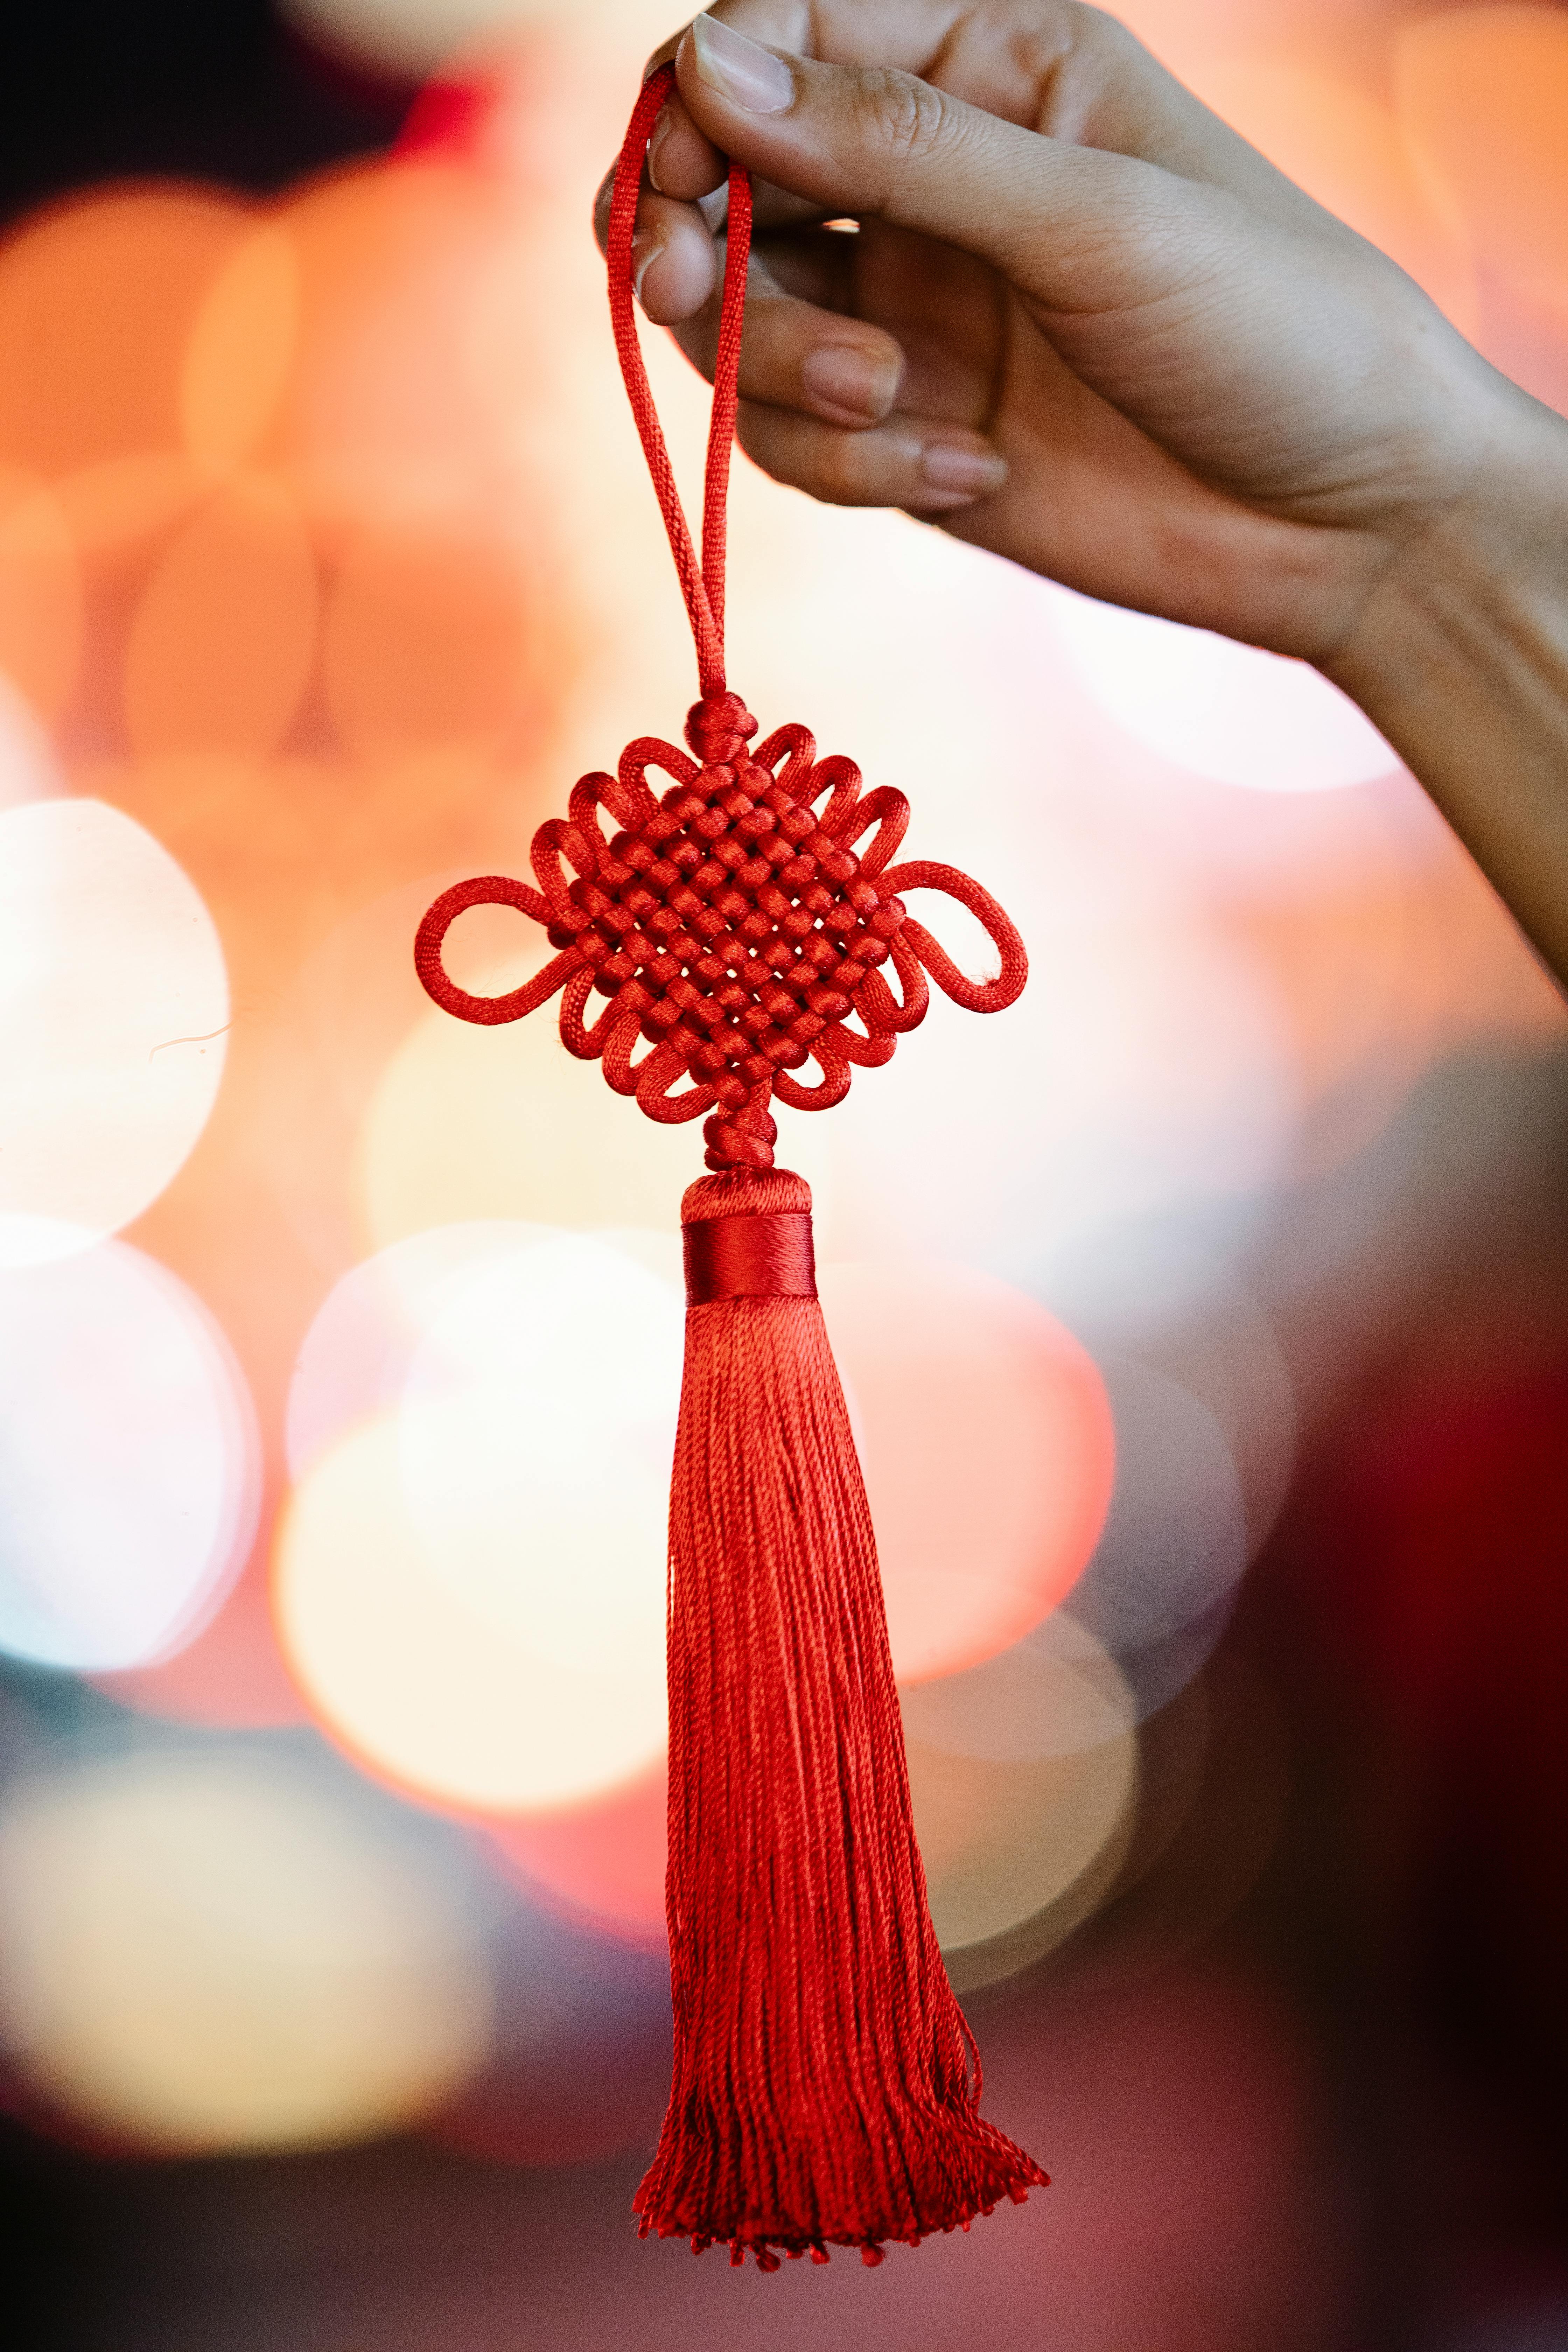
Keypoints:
pixel 1083 323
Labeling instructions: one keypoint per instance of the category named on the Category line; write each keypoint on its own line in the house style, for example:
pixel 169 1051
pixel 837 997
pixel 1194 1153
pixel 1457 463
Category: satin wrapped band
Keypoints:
pixel 749 1257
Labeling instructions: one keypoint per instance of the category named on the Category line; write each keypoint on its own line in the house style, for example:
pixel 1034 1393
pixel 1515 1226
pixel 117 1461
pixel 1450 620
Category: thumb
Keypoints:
pixel 1071 227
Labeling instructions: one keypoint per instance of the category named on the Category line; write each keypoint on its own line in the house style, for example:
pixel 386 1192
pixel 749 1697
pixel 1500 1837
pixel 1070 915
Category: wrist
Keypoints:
pixel 1485 572
pixel 1460 656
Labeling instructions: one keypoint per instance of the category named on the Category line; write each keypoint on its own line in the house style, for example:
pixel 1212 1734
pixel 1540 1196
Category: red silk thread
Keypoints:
pixel 825 2089
pixel 701 584
pixel 762 1256
pixel 743 921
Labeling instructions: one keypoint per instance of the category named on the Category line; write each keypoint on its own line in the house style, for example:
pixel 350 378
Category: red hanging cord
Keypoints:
pixel 702 585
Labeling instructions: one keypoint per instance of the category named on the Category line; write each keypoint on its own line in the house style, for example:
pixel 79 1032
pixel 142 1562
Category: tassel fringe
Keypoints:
pixel 827 2086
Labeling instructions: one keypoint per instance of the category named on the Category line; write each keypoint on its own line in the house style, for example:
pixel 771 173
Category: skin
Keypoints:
pixel 1085 325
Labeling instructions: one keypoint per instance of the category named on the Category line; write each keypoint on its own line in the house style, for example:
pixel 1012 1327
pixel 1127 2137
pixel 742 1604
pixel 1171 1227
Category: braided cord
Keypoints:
pixel 701 582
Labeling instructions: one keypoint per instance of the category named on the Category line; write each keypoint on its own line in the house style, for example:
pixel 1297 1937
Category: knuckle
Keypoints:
pixel 910 121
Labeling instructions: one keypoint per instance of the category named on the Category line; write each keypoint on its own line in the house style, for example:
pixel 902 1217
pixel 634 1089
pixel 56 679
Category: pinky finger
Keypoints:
pixel 922 463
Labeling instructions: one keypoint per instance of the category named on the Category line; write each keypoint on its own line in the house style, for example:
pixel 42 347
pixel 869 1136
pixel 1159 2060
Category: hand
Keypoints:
pixel 1083 323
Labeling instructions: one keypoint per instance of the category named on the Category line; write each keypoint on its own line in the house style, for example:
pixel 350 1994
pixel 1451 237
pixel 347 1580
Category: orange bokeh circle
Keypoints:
pixel 1482 97
pixel 986 1442
pixel 225 635
pixel 96 302
pixel 40 593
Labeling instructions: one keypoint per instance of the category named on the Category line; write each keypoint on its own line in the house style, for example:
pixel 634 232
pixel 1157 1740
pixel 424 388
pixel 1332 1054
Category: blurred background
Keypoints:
pixel 1213 1392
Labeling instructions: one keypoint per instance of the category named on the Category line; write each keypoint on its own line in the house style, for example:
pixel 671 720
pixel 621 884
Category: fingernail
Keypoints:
pixel 647 246
pixel 742 71
pixel 660 132
pixel 849 377
pixel 968 473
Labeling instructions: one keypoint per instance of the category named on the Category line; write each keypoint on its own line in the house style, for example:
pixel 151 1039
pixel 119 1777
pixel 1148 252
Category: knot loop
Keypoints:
pixel 719 729
pixel 701 578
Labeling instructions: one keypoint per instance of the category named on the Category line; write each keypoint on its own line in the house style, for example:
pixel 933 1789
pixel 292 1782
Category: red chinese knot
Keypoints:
pixel 732 923
pixel 734 927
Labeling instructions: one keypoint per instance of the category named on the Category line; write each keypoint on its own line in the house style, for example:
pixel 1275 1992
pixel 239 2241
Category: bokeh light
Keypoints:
pixel 210 1950
pixel 115 1006
pixel 415 1677
pixel 987 1449
pixel 1058 1697
pixel 1481 95
pixel 28 768
pixel 375 331
pixel 1144 1073
pixel 602 1862
pixel 544 1383
pixel 41 620
pixel 470 1124
pixel 428 642
pixel 131 1479
pixel 355 1361
pixel 1160 1586
pixel 1152 1294
pixel 409 37
pixel 240 348
pixel 224 633
pixel 120 512
pixel 527 1466
pixel 96 299
pixel 1023 1773
pixel 1226 711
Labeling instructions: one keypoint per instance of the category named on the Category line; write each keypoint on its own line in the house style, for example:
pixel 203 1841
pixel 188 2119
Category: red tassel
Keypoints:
pixel 826 2087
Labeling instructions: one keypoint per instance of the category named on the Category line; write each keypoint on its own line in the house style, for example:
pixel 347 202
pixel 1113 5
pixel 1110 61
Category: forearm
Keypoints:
pixel 1461 659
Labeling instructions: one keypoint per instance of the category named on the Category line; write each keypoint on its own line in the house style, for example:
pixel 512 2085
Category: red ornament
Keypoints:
pixel 732 926
pixel 740 924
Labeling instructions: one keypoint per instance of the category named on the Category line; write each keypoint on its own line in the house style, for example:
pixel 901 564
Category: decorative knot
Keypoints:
pixel 735 926
pixel 719 729
pixel 741 1139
